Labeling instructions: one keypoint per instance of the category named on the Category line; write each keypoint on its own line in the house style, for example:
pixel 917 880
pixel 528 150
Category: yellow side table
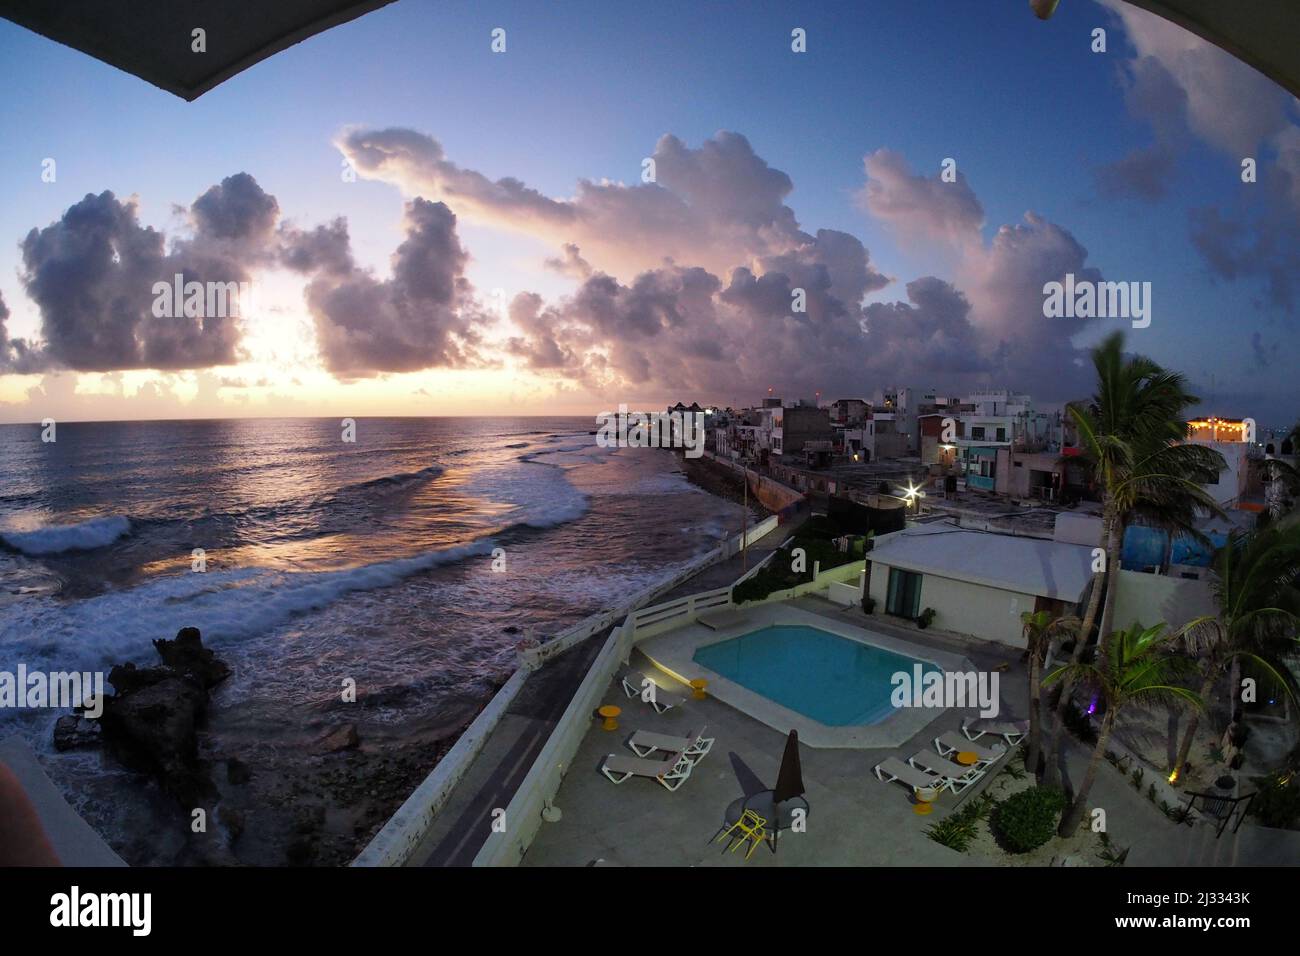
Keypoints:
pixel 610 713
pixel 697 687
pixel 967 758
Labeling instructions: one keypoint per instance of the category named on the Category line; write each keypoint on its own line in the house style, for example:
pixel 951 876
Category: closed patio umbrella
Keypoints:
pixel 789 779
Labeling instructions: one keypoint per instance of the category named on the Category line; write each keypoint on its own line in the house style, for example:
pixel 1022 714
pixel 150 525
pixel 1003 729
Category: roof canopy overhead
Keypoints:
pixel 1262 33
pixel 154 39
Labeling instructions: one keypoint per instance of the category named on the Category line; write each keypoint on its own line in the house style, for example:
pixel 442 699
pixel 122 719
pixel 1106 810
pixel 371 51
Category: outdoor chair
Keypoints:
pixel 908 775
pixel 660 699
pixel 692 746
pixel 671 771
pixel 958 777
pixel 954 743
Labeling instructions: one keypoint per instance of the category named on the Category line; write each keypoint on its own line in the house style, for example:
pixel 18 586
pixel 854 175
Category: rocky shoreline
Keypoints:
pixel 211 808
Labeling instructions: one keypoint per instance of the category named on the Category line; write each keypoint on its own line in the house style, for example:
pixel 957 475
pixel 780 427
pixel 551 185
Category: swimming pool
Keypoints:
pixel 833 680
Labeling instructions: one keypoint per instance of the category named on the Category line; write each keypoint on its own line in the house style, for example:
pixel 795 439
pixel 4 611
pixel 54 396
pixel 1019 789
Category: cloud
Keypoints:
pixel 423 316
pixel 684 324
pixel 1000 282
pixel 1224 101
pixel 1141 174
pixel 16 355
pixel 715 206
pixel 920 208
pixel 92 275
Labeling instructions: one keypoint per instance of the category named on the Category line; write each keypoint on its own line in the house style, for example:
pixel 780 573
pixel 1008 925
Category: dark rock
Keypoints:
pixel 340 738
pixel 510 630
pixel 187 655
pixel 234 822
pixel 237 771
pixel 72 732
pixel 151 722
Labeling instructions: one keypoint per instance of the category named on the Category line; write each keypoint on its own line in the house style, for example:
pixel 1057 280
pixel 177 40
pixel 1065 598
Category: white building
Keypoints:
pixel 978 583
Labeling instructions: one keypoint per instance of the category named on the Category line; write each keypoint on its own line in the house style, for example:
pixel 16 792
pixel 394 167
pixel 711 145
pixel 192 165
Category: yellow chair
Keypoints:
pixel 751 827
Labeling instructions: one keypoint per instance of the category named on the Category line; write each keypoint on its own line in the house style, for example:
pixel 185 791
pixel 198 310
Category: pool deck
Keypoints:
pixel 673 654
pixel 854 819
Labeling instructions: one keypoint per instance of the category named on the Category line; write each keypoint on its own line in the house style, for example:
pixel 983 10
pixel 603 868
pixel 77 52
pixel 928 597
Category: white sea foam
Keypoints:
pixel 57 538
pixel 225 606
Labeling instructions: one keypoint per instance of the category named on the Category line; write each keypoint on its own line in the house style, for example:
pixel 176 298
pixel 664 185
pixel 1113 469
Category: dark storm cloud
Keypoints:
pixel 322 249
pixel 424 316
pixel 92 275
pixel 235 209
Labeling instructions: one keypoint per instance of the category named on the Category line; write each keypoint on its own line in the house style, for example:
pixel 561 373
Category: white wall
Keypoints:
pixel 990 614
pixel 1151 598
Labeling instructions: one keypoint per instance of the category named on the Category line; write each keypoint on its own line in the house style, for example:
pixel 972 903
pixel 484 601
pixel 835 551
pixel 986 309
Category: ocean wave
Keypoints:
pixel 227 606
pixel 396 480
pixel 58 538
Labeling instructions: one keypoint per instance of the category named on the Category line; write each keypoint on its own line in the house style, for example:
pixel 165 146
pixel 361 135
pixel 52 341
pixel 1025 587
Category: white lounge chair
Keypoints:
pixel 672 771
pixel 660 699
pixel 958 777
pixel 1012 731
pixel 909 775
pixel 954 743
pixel 693 746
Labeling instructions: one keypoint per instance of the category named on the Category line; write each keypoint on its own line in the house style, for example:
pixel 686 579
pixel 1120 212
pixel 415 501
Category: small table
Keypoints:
pixel 968 758
pixel 610 712
pixel 697 688
pixel 925 797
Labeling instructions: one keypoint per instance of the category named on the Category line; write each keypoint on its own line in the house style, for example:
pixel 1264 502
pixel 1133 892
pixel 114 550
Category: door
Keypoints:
pixel 904 598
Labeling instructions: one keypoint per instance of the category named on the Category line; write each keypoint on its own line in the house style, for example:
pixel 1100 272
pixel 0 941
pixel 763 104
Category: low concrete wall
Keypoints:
pixel 523 816
pixel 773 495
pixel 393 845
pixel 845 572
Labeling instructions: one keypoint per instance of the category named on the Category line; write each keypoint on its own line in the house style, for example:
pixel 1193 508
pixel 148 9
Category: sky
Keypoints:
pixel 431 227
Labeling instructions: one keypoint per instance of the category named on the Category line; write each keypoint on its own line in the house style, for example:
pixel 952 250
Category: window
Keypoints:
pixel 1002 434
pixel 977 432
pixel 904 598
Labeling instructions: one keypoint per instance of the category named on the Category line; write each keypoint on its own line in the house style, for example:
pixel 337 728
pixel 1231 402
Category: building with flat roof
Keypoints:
pixel 978 583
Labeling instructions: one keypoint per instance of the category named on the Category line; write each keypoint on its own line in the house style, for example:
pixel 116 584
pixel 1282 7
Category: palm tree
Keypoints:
pixel 1254 587
pixel 1040 630
pixel 1133 435
pixel 1131 667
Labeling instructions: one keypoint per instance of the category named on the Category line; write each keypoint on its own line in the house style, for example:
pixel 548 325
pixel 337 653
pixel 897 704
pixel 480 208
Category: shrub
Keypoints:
pixel 1028 819
pixel 959 829
pixel 868 604
pixel 925 618
pixel 1277 800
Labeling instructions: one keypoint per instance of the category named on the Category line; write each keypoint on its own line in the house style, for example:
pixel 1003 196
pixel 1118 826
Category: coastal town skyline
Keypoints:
pixel 409 260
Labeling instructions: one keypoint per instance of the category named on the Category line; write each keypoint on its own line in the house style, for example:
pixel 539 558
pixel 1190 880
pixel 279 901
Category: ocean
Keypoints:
pixel 307 561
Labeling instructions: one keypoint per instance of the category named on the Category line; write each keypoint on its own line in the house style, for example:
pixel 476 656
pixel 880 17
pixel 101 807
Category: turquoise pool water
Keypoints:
pixel 821 675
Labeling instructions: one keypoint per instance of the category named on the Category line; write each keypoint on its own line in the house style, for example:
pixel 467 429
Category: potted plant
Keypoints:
pixel 1226 784
pixel 925 618
pixel 868 604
